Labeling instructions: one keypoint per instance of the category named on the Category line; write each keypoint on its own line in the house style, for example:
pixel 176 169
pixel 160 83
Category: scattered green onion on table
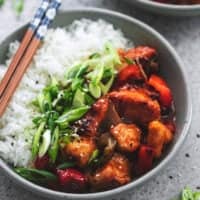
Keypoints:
pixel 18 5
pixel 188 194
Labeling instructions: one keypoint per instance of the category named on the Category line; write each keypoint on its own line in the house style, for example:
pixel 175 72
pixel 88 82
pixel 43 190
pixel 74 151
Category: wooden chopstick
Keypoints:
pixel 17 76
pixel 16 59
pixel 40 13
pixel 28 55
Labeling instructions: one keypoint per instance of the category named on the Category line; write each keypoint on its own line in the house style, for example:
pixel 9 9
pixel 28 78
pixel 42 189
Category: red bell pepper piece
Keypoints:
pixel 72 180
pixel 42 163
pixel 145 159
pixel 161 86
pixel 130 73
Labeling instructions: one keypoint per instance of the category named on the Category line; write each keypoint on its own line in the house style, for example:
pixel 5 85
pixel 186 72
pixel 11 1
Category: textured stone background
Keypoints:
pixel 184 35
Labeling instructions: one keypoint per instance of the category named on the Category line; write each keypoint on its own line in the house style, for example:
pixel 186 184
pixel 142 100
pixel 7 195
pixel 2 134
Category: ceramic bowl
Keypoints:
pixel 172 69
pixel 167 9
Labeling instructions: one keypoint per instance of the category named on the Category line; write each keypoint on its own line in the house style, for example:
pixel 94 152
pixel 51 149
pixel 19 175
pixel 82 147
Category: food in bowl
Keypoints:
pixel 180 2
pixel 92 112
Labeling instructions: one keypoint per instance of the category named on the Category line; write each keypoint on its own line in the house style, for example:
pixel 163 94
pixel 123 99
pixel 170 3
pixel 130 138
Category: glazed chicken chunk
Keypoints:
pixel 145 57
pixel 114 173
pixel 81 150
pixel 158 136
pixel 136 106
pixel 127 136
pixel 141 52
pixel 90 123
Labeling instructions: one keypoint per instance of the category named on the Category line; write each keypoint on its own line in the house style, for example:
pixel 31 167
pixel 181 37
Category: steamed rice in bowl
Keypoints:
pixel 60 49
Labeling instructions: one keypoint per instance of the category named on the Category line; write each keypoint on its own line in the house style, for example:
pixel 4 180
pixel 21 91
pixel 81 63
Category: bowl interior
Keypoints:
pixel 171 69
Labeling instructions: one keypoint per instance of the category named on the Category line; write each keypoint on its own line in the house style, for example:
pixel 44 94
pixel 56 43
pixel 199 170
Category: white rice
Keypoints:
pixel 61 48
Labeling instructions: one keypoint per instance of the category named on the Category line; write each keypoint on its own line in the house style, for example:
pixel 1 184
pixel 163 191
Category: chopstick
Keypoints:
pixel 24 44
pixel 29 52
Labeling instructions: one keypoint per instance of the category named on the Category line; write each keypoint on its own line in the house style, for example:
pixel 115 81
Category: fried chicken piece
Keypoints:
pixel 144 56
pixel 135 106
pixel 139 52
pixel 91 122
pixel 127 136
pixel 158 136
pixel 114 173
pixel 80 149
pixel 145 89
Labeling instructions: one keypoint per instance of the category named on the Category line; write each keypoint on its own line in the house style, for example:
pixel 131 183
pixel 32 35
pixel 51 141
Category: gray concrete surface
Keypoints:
pixel 184 35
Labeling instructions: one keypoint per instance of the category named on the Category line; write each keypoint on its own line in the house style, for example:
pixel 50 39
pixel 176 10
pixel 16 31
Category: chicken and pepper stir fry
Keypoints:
pixel 114 135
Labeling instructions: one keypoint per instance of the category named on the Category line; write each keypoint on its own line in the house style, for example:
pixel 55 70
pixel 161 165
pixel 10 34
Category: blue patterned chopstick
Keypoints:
pixel 48 18
pixel 28 47
pixel 40 13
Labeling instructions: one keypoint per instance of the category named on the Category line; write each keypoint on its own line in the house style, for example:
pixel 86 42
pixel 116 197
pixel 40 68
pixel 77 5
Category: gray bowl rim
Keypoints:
pixel 61 195
pixel 168 7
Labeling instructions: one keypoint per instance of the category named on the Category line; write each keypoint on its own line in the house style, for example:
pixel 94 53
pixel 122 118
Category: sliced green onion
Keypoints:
pixel 53 88
pixel 51 117
pixel 44 101
pixel 187 194
pixel 19 6
pixel 112 51
pixel 72 115
pixel 129 61
pixel 79 98
pixel 54 147
pixel 2 2
pixel 72 71
pixel 94 55
pixel 59 97
pixel 65 139
pixel 77 82
pixel 106 87
pixel 61 104
pixel 89 100
pixel 196 196
pixel 81 71
pixel 98 73
pixel 37 120
pixel 36 176
pixel 66 165
pixel 36 139
pixel 46 140
pixel 95 90
pixel 94 156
